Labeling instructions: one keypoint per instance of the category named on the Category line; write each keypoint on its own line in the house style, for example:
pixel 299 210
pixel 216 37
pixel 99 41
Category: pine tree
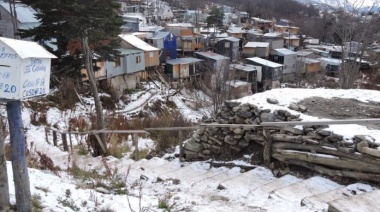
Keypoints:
pixel 88 27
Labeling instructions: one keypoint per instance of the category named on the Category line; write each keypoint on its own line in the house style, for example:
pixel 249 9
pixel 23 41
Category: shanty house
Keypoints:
pixel 151 53
pixel 288 58
pixel 182 67
pixel 271 73
pixel 213 61
pixel 165 41
pixel 256 49
pixel 246 77
pixel 228 46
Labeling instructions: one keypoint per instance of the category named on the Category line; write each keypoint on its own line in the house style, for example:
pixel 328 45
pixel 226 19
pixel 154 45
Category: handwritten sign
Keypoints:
pixel 22 79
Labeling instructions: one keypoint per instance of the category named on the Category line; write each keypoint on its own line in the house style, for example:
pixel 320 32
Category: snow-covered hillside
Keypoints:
pixel 158 184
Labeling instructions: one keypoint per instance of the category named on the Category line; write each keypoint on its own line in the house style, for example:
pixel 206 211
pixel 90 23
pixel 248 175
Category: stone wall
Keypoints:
pixel 230 142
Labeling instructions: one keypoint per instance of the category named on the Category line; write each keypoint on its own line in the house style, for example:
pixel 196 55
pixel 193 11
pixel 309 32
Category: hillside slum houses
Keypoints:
pixel 176 46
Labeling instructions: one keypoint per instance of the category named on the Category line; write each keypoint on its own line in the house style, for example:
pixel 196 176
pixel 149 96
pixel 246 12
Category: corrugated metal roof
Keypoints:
pixel 184 60
pixel 180 25
pixel 159 35
pixel 272 34
pixel 232 39
pixel 25 14
pixel 125 51
pixel 264 62
pixel 284 51
pixel 27 49
pixel 235 30
pixel 257 44
pixel 137 42
pixel 212 55
pixel 245 67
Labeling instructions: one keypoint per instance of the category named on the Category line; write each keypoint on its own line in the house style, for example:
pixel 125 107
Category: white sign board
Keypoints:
pixel 22 78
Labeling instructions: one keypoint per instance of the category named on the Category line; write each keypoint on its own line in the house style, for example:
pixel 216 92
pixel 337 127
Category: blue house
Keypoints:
pixel 165 41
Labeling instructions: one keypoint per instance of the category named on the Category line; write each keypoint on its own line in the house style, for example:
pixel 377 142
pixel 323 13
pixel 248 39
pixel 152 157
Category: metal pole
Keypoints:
pixel 18 158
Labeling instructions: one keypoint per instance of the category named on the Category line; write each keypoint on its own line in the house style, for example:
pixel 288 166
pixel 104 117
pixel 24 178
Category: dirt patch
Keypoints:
pixel 339 108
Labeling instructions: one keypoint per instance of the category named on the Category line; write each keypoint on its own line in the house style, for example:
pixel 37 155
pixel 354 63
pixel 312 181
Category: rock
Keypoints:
pixel 230 140
pixel 244 114
pixel 204 138
pixel 294 131
pixel 206 152
pixel 196 137
pixel 334 138
pixel 243 143
pixel 206 145
pixel 302 108
pixel 284 171
pixel 252 106
pixel 239 120
pixel 267 117
pixel 236 109
pixel 221 187
pixel 216 140
pixel 295 116
pixel 231 104
pixel 238 131
pixel 272 101
pixel 324 132
pixel 237 149
pixel 102 190
pixel 238 137
pixel 193 146
pixel 293 106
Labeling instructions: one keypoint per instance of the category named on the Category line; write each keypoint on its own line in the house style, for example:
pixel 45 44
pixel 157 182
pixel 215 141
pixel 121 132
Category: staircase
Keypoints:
pixel 233 189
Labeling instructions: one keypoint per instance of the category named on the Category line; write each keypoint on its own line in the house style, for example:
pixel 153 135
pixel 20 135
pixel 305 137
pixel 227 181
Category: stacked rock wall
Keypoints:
pixel 230 142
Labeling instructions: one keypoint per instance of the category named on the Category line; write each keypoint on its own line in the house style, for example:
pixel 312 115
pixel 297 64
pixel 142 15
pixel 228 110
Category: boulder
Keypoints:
pixel 272 101
pixel 267 117
pixel 231 104
pixel 193 146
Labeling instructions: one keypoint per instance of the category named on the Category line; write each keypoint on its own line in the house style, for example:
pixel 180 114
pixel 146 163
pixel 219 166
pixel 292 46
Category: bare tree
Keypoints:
pixel 353 33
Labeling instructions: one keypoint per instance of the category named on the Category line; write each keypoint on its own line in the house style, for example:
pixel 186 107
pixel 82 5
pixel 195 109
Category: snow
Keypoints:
pixel 197 189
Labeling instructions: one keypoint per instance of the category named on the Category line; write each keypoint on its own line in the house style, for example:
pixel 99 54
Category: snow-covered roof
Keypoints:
pixel 264 62
pixel 180 25
pixel 232 39
pixel 150 28
pixel 137 42
pixel 235 30
pixel 272 34
pixel 237 83
pixel 159 35
pixel 304 53
pixel 212 55
pixel 255 32
pixel 27 49
pixel 309 60
pixel 284 51
pixel 292 37
pixel 256 45
pixel 25 14
pixel 261 20
pixel 125 51
pixel 184 60
pixel 244 67
pixel 331 61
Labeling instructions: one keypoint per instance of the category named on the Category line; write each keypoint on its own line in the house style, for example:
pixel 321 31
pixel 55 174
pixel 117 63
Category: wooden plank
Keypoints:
pixel 330 122
pixel 367 202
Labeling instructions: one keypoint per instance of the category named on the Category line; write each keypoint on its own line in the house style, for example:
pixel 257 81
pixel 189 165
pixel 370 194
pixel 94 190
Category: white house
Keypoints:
pixel 25 69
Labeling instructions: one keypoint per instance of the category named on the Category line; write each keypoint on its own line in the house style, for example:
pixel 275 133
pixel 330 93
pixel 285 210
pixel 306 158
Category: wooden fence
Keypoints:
pixel 265 125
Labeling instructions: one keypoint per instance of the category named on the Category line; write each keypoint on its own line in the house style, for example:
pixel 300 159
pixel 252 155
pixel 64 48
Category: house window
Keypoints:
pixel 227 44
pixel 138 59
pixel 117 62
pixel 151 54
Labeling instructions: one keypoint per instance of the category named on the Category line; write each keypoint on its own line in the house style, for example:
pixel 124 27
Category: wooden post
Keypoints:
pixel 4 186
pixel 46 135
pixel 180 138
pixel 136 145
pixel 71 142
pixel 267 153
pixel 54 138
pixel 64 142
pixel 18 157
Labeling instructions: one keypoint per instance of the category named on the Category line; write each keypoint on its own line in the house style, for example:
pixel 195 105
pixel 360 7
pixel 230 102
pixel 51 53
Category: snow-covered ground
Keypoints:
pixel 196 187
